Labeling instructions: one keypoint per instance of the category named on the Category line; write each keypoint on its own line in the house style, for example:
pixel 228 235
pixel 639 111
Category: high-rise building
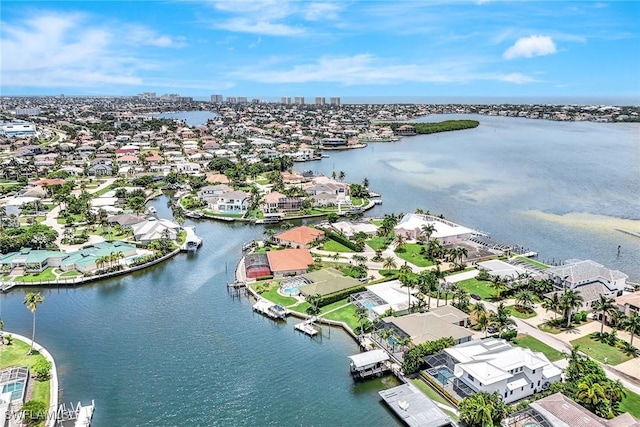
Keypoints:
pixel 147 95
pixel 299 100
pixel 33 111
pixel 334 100
pixel 255 101
pixel 285 100
pixel 216 99
pixel 242 100
pixel 320 100
pixel 231 100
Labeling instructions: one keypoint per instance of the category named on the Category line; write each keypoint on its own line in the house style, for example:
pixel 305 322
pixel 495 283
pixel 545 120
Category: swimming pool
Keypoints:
pixel 16 389
pixel 368 304
pixel 441 373
pixel 293 290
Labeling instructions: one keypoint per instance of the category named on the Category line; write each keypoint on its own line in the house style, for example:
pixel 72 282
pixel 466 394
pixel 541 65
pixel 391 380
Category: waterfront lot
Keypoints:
pixel 16 355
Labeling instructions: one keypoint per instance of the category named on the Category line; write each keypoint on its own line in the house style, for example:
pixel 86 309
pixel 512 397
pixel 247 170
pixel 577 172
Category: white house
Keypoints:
pixel 230 201
pixel 494 365
pixel 446 232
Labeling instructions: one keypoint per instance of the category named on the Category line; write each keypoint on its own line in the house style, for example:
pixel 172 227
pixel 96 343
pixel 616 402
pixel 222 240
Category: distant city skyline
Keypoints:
pixel 321 49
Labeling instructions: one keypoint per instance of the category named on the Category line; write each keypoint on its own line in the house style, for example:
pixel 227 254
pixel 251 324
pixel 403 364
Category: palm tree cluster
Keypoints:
pixel 500 319
pixel 566 302
pixel 483 409
pixel 587 384
pixel 388 222
pixel 112 259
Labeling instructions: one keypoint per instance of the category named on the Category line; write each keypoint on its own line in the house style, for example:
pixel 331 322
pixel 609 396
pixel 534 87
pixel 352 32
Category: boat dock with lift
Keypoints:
pixel 307 327
pixel 269 309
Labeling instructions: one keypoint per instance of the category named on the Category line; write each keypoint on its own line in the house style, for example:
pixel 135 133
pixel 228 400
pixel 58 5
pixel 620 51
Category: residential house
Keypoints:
pixel 154 229
pixel 299 237
pixel 275 202
pixel 289 262
pixel 447 232
pixel 493 365
pixel 229 202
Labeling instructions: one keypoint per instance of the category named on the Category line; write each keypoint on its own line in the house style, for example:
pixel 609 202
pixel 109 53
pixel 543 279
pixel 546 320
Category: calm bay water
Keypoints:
pixel 191 118
pixel 559 188
pixel 170 347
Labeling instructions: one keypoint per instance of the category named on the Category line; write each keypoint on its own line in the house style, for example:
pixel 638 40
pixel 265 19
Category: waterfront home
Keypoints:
pixel 380 298
pixel 125 220
pixel 629 303
pixel 289 262
pixel 324 185
pixel 153 229
pixel 275 202
pixel 350 228
pixel 327 281
pixel 441 322
pixel 213 190
pixel 557 410
pixel 229 202
pixel 447 232
pixel 100 169
pixel 30 260
pixel 299 237
pixel 575 274
pixel 499 268
pixel 89 258
pixel 493 365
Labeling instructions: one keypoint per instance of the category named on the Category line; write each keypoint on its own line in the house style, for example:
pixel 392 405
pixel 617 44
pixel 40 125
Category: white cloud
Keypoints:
pixel 367 69
pixel 318 11
pixel 242 25
pixel 48 49
pixel 528 47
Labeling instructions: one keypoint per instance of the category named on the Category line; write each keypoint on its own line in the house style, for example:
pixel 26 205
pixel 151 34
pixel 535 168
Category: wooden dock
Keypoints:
pixel 307 327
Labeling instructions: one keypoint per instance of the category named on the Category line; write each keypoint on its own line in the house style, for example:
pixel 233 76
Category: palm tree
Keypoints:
pixel 525 299
pixel 603 306
pixel 632 325
pixel 552 303
pixel 362 314
pixel 408 279
pixel 483 320
pixel 502 318
pixel 389 263
pixel 427 283
pixel 499 284
pixel 570 300
pixel 590 392
pixel 341 175
pixel 399 240
pixel 482 409
pixel 314 301
pixel 3 215
pixel 428 230
pixel 31 301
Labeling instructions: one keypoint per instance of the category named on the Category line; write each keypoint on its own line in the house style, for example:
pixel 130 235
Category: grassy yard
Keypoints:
pixel 479 287
pixel 599 351
pixel 520 315
pixel 376 243
pixel 346 314
pixel 16 355
pixel 532 262
pixel 527 341
pixel 47 274
pixel 273 296
pixel 631 404
pixel 411 254
pixel 71 273
pixel 333 246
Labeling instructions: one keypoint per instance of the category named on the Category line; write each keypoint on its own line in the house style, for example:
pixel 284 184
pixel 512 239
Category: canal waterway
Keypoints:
pixel 191 118
pixel 169 346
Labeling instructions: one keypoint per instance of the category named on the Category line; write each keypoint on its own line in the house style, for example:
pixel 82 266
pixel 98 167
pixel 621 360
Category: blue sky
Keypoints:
pixel 321 48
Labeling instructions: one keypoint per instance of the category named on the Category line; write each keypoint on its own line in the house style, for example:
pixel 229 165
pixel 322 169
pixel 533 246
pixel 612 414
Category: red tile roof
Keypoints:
pixel 302 235
pixel 289 259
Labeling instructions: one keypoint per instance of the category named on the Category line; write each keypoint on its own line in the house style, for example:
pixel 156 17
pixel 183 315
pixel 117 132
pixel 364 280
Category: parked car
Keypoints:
pixel 492 329
pixel 476 297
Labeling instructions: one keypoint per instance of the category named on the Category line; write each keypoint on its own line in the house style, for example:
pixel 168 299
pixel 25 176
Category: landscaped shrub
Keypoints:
pixel 344 241
pixel 42 369
pixel 579 317
pixel 509 334
pixel 414 357
pixel 337 296
pixel 269 277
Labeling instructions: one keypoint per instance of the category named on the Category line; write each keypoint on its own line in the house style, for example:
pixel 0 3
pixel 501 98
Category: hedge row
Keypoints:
pixel 337 296
pixel 438 387
pixel 344 241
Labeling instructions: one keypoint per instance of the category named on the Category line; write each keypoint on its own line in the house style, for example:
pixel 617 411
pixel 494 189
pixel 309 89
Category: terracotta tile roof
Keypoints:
pixel 289 259
pixel 301 235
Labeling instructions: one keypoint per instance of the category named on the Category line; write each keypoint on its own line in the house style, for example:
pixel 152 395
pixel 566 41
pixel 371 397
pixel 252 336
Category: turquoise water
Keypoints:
pixel 291 291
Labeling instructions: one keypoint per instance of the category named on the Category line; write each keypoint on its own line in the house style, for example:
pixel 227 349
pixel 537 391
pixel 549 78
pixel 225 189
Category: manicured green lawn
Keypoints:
pixel 47 274
pixel 631 404
pixel 346 314
pixel 333 246
pixel 549 329
pixel 519 315
pixel 376 243
pixel 599 351
pixel 70 273
pixel 479 287
pixel 534 344
pixel 16 355
pixel 273 296
pixel 532 262
pixel 411 254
